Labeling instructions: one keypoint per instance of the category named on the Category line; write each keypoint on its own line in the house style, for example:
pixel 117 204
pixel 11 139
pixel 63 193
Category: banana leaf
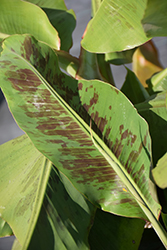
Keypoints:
pixel 160 172
pixel 125 24
pixel 108 160
pixel 37 200
pixel 26 18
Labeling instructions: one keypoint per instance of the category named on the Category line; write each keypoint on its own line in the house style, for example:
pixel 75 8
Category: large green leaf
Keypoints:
pixel 62 19
pixel 154 20
pixel 50 4
pixel 125 24
pixel 65 217
pixel 24 175
pixel 116 26
pixel 64 22
pixel 114 176
pixel 19 17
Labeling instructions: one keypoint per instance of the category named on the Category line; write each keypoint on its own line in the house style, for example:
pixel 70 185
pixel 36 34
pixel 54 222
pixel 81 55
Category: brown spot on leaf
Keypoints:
pixel 27 48
pixel 80 85
pixel 121 127
pixel 99 121
pixel 125 134
pixel 23 80
pixel 94 99
pixel 117 148
pixel 5 63
pixel 108 130
pixel 63 144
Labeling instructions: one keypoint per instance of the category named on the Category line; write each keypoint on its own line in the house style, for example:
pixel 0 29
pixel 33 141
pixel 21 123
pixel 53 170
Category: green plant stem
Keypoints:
pixel 67 62
pixel 105 69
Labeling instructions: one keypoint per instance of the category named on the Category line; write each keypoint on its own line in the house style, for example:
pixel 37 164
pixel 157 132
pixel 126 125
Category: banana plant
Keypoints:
pixel 89 171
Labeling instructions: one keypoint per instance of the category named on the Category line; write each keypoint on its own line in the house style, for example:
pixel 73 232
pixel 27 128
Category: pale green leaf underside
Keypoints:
pixel 19 17
pixel 158 82
pixel 125 24
pixel 51 4
pixel 23 170
pixel 117 179
pixel 160 172
pixel 116 27
pixel 61 221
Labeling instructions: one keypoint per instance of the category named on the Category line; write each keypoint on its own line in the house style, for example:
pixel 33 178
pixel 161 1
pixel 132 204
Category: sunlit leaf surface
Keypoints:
pixel 63 20
pixel 50 4
pixel 158 82
pixel 114 174
pixel 116 26
pixel 63 218
pixel 160 172
pixel 125 24
pixel 24 175
pixel 26 18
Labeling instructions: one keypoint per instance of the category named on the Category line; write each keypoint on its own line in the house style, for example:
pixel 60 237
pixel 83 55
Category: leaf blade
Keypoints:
pixel 27 18
pixel 64 132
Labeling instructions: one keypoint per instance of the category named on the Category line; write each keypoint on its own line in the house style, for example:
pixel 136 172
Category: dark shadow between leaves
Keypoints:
pixel 63 223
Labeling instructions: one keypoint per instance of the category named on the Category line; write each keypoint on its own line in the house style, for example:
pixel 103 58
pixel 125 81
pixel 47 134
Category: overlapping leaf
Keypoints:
pixel 61 135
pixel 133 89
pixel 67 20
pixel 63 219
pixel 160 172
pixel 122 25
pixel 154 110
pixel 154 19
pixel 119 58
pixel 26 18
pixel 24 175
pixel 63 20
pixel 50 4
pixel 158 82
pixel 116 27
